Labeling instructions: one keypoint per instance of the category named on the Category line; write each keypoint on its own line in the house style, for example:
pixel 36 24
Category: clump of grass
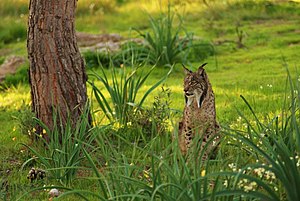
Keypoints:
pixel 63 154
pixel 275 146
pixel 123 92
pixel 164 43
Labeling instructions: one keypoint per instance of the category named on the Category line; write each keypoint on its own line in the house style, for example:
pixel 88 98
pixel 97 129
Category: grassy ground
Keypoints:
pixel 257 71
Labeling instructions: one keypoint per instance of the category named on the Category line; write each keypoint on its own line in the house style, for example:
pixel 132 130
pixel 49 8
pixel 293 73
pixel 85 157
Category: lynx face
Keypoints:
pixel 195 86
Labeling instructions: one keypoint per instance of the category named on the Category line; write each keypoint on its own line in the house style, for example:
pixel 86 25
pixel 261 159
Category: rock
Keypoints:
pixel 103 42
pixel 10 66
pixel 54 192
pixel 86 39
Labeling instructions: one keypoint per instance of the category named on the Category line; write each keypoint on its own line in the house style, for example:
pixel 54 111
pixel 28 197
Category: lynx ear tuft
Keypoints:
pixel 201 68
pixel 186 71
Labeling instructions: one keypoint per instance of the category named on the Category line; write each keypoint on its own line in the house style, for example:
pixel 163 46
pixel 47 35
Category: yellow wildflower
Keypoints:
pixel 146 174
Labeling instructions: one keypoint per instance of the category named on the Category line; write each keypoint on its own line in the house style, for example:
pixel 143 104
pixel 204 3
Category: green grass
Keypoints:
pixel 257 72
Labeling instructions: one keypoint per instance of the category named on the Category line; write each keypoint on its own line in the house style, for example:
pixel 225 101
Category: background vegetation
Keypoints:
pixel 252 49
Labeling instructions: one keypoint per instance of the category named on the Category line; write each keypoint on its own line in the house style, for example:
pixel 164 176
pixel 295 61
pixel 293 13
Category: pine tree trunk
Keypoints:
pixel 57 72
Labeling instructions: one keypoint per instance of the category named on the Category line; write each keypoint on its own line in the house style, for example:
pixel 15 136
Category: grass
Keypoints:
pixel 257 72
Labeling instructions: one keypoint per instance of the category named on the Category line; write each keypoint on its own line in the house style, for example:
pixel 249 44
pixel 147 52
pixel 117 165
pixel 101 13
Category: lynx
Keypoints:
pixel 199 116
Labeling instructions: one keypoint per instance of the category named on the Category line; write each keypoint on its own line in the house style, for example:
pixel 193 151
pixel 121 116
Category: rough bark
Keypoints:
pixel 57 71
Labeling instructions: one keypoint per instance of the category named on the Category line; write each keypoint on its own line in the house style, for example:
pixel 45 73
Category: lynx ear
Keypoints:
pixel 201 68
pixel 186 71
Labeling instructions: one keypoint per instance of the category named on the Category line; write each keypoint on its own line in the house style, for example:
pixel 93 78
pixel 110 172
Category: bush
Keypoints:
pixel 200 51
pixel 97 59
pixel 154 119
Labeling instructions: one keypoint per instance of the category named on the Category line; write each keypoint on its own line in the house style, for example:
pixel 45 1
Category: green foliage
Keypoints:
pixel 13 7
pixel 130 53
pixel 12 32
pixel 123 92
pixel 137 167
pixel 96 59
pixel 251 10
pixel 164 43
pixel 92 7
pixel 20 77
pixel 123 157
pixel 275 145
pixel 145 172
pixel 2 59
pixel 62 152
pixel 26 121
pixel 200 51
pixel 153 119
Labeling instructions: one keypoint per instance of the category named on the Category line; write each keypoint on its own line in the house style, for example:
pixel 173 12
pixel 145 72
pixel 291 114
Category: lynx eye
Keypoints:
pixel 194 79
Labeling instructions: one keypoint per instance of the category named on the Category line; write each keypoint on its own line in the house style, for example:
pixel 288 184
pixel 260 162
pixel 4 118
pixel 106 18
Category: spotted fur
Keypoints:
pixel 199 116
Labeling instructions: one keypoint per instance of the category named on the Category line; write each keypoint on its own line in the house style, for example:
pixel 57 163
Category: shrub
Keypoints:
pixel 200 51
pixel 154 119
pixel 96 59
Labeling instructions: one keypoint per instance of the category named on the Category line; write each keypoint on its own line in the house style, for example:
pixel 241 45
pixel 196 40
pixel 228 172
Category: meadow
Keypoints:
pixel 252 50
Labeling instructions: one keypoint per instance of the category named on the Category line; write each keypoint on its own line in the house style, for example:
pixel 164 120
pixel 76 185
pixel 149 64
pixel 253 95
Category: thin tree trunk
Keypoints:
pixel 57 71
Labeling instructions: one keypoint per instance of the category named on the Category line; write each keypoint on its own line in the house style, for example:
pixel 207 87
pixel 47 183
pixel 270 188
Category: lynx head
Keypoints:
pixel 195 86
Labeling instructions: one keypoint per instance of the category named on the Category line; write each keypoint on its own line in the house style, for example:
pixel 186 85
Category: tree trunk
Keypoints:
pixel 57 72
